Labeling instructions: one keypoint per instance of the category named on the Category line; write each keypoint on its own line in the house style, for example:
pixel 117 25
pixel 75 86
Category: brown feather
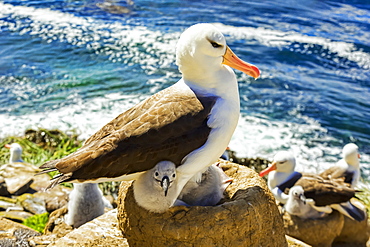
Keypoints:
pixel 338 172
pixel 167 126
pixel 325 191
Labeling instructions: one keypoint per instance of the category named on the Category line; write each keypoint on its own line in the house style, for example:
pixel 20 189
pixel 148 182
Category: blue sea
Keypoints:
pixel 75 65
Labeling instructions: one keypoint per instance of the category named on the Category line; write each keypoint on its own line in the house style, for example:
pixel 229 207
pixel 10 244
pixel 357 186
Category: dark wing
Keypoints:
pixel 338 172
pixel 289 183
pixel 167 126
pixel 325 192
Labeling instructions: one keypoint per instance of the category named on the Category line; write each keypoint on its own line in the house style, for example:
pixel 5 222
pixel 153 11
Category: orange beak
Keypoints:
pixel 268 170
pixel 7 146
pixel 233 61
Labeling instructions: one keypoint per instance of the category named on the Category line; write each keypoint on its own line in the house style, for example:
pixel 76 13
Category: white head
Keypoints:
pixel 284 161
pixel 350 154
pixel 164 174
pixel 297 193
pixel 15 152
pixel 201 51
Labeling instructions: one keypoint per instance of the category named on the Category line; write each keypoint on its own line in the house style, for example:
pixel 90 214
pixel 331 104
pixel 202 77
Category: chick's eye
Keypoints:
pixel 215 45
pixel 173 175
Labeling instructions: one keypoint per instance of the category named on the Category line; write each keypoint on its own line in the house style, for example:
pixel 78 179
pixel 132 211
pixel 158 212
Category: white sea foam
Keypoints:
pixel 152 50
pixel 254 136
pixel 120 42
pixel 124 42
pixel 279 39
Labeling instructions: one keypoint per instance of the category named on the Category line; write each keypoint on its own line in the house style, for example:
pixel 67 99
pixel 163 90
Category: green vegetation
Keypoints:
pixel 41 146
pixel 37 222
pixel 364 197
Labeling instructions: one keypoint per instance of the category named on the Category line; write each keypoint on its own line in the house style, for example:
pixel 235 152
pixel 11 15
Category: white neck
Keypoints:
pixel 353 161
pixel 15 157
pixel 220 83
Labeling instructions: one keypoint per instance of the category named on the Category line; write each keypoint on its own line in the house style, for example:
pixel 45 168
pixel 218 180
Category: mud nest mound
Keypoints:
pixel 244 218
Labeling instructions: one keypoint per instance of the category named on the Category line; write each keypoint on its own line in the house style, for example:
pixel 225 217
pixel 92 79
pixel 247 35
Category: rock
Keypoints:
pixel 315 232
pixel 102 231
pixel 56 225
pixel 353 233
pixel 32 203
pixel 292 242
pixel 15 234
pixel 16 215
pixel 3 189
pixel 42 240
pixel 247 216
pixel 54 198
pixel 18 177
pixel 8 204
pixel 40 182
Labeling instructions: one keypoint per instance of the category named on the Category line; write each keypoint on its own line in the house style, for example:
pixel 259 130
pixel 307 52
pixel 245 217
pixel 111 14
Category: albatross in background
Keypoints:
pixel 348 167
pixel 189 123
pixel 15 152
pixel 334 193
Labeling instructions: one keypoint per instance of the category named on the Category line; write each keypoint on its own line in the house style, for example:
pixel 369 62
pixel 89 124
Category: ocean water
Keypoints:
pixel 75 65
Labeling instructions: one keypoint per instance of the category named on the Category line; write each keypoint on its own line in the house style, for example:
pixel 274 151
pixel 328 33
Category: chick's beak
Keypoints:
pixel 165 184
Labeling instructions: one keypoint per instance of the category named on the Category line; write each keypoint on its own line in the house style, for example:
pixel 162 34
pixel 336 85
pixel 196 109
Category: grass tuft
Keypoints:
pixel 37 222
pixel 41 145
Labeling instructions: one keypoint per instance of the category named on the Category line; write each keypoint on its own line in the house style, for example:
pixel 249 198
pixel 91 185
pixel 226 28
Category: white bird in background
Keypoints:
pixel 325 193
pixel 348 167
pixel 86 202
pixel 280 172
pixel 15 152
pixel 190 123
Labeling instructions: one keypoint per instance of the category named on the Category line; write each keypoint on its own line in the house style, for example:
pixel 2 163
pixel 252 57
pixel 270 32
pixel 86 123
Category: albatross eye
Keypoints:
pixel 173 175
pixel 156 174
pixel 215 45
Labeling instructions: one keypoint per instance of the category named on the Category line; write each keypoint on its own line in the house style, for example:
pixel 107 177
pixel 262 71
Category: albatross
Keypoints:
pixel 348 167
pixel 190 123
pixel 333 193
pixel 15 152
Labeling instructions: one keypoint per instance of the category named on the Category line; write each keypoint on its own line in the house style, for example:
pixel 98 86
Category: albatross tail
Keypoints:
pixel 350 210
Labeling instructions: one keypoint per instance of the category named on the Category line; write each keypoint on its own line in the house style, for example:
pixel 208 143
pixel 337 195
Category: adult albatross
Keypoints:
pixel 189 123
pixel 333 193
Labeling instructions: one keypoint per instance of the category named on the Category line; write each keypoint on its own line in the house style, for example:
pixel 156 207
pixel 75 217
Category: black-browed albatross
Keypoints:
pixel 190 123
pixel 348 167
pixel 334 193
pixel 15 152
